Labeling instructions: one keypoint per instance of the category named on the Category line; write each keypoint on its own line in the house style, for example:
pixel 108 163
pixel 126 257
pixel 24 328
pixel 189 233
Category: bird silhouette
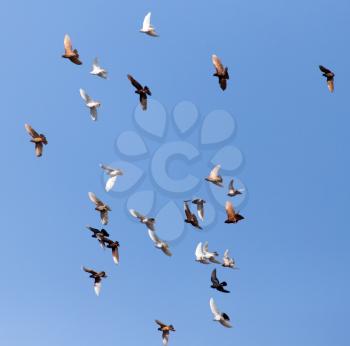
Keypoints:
pixel 330 77
pixel 216 284
pixel 142 91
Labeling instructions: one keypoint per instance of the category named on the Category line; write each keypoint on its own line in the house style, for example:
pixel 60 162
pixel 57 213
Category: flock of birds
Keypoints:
pixel 202 253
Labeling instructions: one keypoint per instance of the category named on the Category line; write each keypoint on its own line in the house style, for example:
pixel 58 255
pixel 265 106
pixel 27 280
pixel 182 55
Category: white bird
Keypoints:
pixel 147 27
pixel 97 70
pixel 90 103
pixel 113 174
pixel 158 243
pixel 148 221
pixel 210 255
pixel 228 261
pixel 222 318
pixel 214 176
pixel 200 256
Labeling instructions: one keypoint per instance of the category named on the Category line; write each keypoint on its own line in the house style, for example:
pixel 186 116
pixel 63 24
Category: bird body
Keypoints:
pixel 114 246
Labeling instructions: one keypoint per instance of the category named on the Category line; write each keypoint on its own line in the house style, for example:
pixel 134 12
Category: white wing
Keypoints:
pixel 93 198
pixel 214 309
pixel 135 214
pixel 97 288
pixel 147 22
pixel 226 254
pixel 215 171
pixel 84 95
pixel 95 64
pixel 93 113
pixel 110 183
pixel 199 252
pixel 205 247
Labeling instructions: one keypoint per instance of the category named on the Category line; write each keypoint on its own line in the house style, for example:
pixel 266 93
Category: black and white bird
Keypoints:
pixel 232 191
pixel 97 276
pixel 190 217
pixel 222 318
pixel 113 173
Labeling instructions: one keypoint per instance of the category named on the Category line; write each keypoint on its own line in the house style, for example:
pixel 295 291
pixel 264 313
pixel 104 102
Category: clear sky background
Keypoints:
pixel 292 288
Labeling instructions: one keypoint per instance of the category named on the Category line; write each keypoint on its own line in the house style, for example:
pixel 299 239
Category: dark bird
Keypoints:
pixel 37 139
pixel 103 208
pixel 69 53
pixel 142 91
pixel 100 235
pixel 232 191
pixel 190 217
pixel 165 329
pixel 200 207
pixel 330 77
pixel 114 245
pixel 97 276
pixel 216 284
pixel 221 72
pixel 232 216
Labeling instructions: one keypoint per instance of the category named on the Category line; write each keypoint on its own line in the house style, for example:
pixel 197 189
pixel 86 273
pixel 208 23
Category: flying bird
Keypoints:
pixel 69 53
pixel 214 176
pixel 210 255
pixel 147 27
pixel 200 207
pixel 216 284
pixel 222 318
pixel 97 70
pixel 37 139
pixel 97 276
pixel 232 216
pixel 221 72
pixel 148 221
pixel 113 174
pixel 228 261
pixel 200 255
pixel 90 103
pixel 114 245
pixel 100 235
pixel 330 77
pixel 165 329
pixel 142 91
pixel 101 207
pixel 158 243
pixel 232 191
pixel 190 217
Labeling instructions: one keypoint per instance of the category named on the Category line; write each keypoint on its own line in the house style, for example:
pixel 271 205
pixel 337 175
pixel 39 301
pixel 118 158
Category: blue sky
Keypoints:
pixel 292 288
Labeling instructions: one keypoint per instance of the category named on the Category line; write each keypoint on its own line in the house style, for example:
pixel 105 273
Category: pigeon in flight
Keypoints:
pixel 232 191
pixel 147 27
pixel 97 276
pixel 37 139
pixel 210 255
pixel 200 255
pixel 190 217
pixel 214 176
pixel 232 216
pixel 114 245
pixel 158 243
pixel 113 174
pixel 148 221
pixel 165 329
pixel 97 70
pixel 221 72
pixel 100 235
pixel 69 53
pixel 142 91
pixel 216 284
pixel 101 207
pixel 200 207
pixel 330 77
pixel 90 103
pixel 222 318
pixel 228 261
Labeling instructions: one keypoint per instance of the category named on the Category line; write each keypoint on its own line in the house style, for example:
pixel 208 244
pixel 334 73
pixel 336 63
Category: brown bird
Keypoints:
pixel 330 77
pixel 114 245
pixel 101 207
pixel 37 139
pixel 165 329
pixel 97 276
pixel 69 53
pixel 100 235
pixel 221 72
pixel 232 191
pixel 142 91
pixel 190 217
pixel 214 176
pixel 232 216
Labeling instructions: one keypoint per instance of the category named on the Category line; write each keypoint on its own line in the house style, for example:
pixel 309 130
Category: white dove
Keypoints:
pixel 113 174
pixel 90 103
pixel 210 255
pixel 158 243
pixel 148 221
pixel 147 27
pixel 200 256
pixel 97 70
pixel 228 261
pixel 222 318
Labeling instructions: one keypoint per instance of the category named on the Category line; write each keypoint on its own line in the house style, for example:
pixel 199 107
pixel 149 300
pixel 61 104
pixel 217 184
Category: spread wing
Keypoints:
pixel 187 212
pixel 230 185
pixel 147 22
pixel 95 64
pixel 94 199
pixel 110 183
pixel 214 172
pixel 218 65
pixel 161 324
pixel 31 131
pixel 38 149
pixel 226 255
pixel 85 96
pixel 108 169
pixel 136 214
pixel 67 45
pixel 214 309
pixel 165 337
pixel 143 101
pixel 199 251
pixel 229 210
pixel 90 271
pixel 325 70
pixel 134 82
pixel 104 217
pixel 214 278
pixel 153 236
pixel 97 286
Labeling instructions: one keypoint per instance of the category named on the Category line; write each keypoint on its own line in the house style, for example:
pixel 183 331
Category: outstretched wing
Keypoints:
pixel 146 22
pixel 215 172
pixel 325 70
pixel 214 309
pixel 187 212
pixel 84 96
pixel 230 210
pixel 199 251
pixel 115 254
pixel 31 131
pixel 134 82
pixel 214 278
pixel 94 199
pixel 90 271
pixel 218 65
pixel 67 45
pixel 136 214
